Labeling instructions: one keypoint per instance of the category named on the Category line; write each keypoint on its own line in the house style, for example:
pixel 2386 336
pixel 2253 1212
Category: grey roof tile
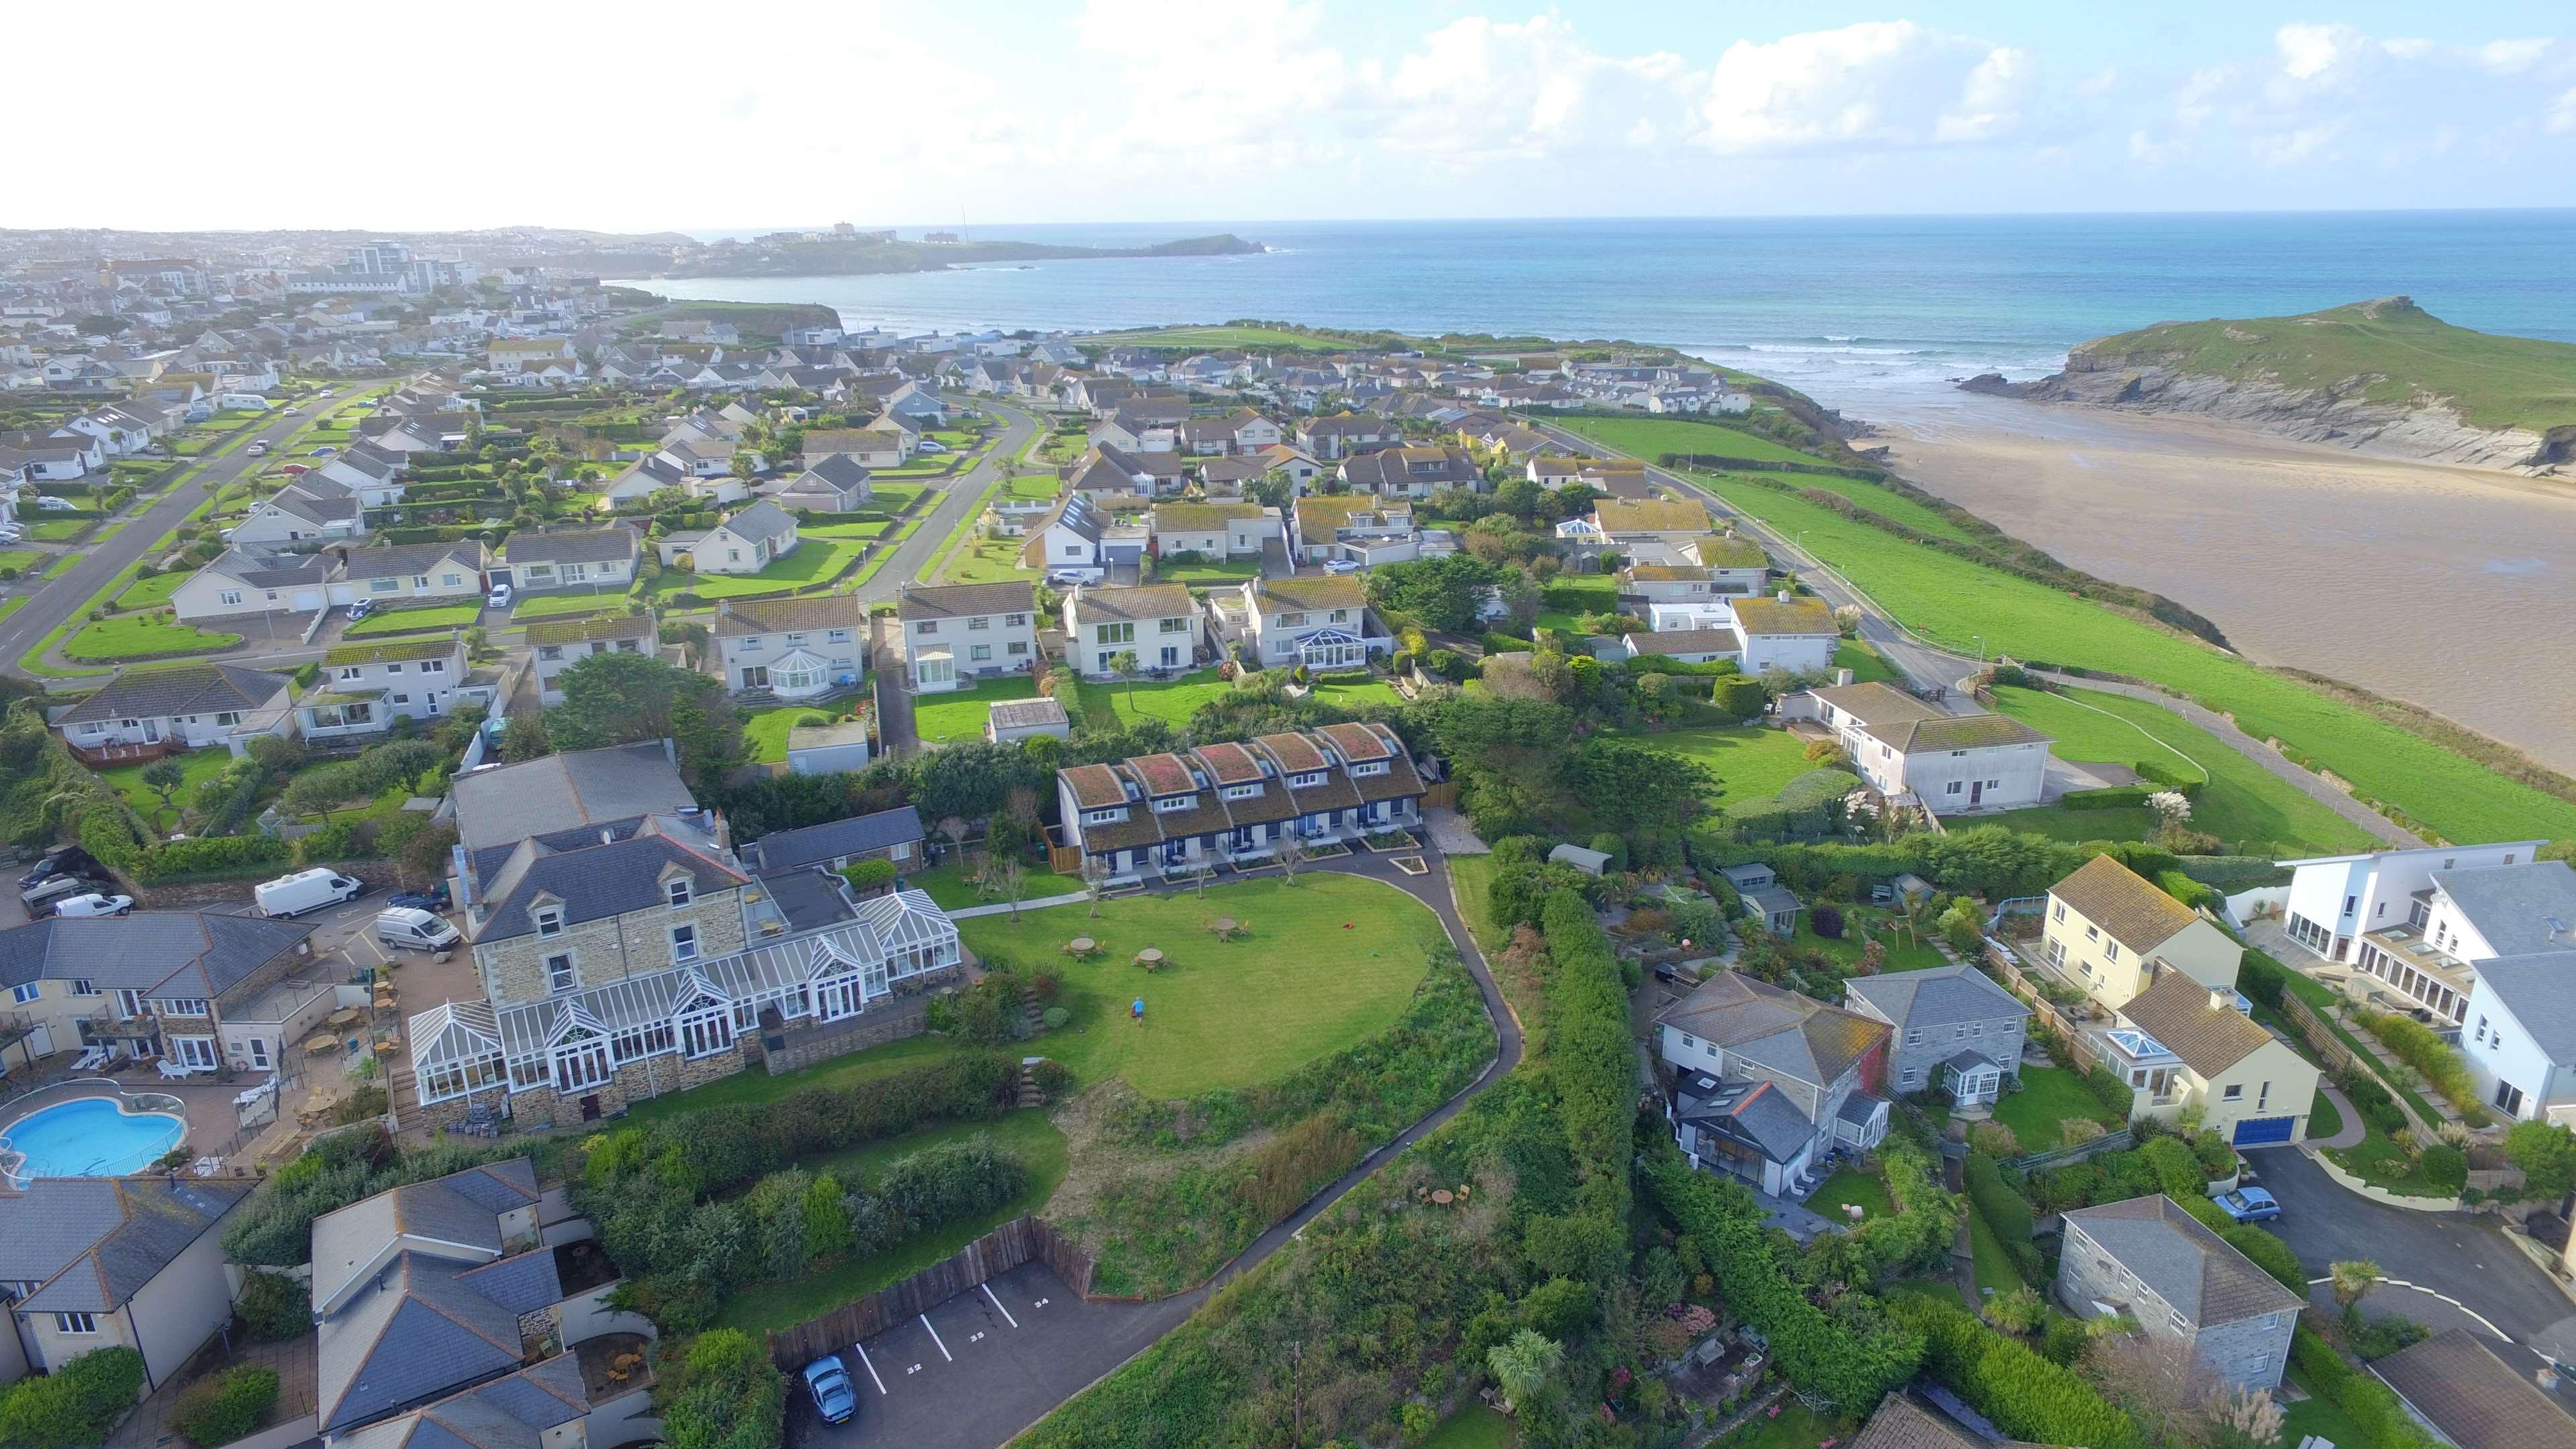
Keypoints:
pixel 178 690
pixel 2186 1264
pixel 792 850
pixel 1936 996
pixel 582 788
pixel 2519 909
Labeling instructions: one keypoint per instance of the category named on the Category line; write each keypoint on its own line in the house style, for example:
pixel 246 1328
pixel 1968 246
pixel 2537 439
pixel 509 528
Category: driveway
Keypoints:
pixel 2458 1268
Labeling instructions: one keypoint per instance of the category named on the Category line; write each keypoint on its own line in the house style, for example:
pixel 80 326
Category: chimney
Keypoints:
pixel 1784 596
pixel 2221 999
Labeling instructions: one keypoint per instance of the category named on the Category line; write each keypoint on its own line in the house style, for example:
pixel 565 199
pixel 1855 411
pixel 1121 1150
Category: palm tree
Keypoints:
pixel 1524 1363
pixel 2351 1279
pixel 1125 663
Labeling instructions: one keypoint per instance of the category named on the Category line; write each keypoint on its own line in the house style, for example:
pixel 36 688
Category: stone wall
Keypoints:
pixel 634 944
pixel 804 1045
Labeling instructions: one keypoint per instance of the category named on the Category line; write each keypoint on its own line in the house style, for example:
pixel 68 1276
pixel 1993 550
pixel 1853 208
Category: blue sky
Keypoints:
pixel 1153 110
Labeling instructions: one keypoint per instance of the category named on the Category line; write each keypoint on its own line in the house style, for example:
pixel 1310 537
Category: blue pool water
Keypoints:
pixel 90 1138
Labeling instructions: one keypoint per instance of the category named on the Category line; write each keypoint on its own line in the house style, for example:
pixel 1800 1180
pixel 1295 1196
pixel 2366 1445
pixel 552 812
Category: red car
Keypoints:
pixel 296 468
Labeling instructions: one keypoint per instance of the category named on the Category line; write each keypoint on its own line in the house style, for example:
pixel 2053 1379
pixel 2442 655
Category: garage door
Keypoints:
pixel 307 600
pixel 2256 1131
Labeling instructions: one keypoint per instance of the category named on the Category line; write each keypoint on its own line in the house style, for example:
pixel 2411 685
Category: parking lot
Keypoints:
pixel 981 1367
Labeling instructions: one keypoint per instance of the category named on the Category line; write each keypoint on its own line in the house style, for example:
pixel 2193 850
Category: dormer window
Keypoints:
pixel 678 892
pixel 1373 767
pixel 549 919
pixel 1307 780
pixel 1167 804
pixel 1242 792
pixel 1102 817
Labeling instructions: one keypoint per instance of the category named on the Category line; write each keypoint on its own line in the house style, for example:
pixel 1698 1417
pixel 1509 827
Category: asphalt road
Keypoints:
pixel 962 498
pixel 58 600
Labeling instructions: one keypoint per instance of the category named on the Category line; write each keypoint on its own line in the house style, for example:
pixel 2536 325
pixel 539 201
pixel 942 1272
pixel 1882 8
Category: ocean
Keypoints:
pixel 1869 314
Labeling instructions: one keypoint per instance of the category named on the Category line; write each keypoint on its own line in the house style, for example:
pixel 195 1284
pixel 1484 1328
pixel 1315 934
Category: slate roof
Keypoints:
pixel 305 501
pixel 1673 643
pixel 577 545
pixel 1758 1112
pixel 2126 905
pixel 837 471
pixel 593 879
pixel 2535 988
pixel 463 1208
pixel 1936 996
pixel 1902 1423
pixel 1781 1030
pixel 94 1242
pixel 745 618
pixel 2176 1011
pixel 958 601
pixel 414 558
pixel 1791 616
pixel 2474 1398
pixel 190 953
pixel 1018 714
pixel 262 569
pixel 763 520
pixel 2513 905
pixel 782 851
pixel 2191 1268
pixel 621 783
pixel 178 690
pixel 510 1412
pixel 1146 601
pixel 420 1328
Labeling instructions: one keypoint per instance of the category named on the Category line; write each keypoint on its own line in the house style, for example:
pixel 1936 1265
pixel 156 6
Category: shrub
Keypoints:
pixel 2026 1395
pixel 1055 1018
pixel 74 1406
pixel 2372 1406
pixel 275 1307
pixel 1827 921
pixel 720 1391
pixel 2446 1167
pixel 2415 1045
pixel 867 875
pixel 223 1407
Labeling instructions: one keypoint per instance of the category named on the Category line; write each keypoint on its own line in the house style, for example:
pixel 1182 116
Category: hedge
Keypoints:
pixel 2111 798
pixel 2025 1395
pixel 1593 1063
pixel 223 1407
pixel 2006 1212
pixel 2372 1406
pixel 2188 891
pixel 75 1405
pixel 2416 1046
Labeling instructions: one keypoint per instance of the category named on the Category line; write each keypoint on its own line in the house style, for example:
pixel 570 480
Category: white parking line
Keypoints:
pixel 934 1338
pixel 870 1365
pixel 997 1303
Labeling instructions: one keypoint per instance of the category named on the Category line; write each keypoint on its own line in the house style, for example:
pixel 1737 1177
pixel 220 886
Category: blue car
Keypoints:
pixel 2250 1205
pixel 829 1383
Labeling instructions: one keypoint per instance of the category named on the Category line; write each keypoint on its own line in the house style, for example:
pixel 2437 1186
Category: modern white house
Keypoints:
pixel 1157 623
pixel 1320 622
pixel 2339 903
pixel 955 634
pixel 365 685
pixel 793 648
pixel 1953 764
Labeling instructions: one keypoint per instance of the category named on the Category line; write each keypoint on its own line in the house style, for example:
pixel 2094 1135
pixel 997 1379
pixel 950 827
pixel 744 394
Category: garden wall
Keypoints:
pixel 997 1252
pixel 903 1017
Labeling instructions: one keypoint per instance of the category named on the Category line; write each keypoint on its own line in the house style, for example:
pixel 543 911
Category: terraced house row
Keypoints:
pixel 1232 804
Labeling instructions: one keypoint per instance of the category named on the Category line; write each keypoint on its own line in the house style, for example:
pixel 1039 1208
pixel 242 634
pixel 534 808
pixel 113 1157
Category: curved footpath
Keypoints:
pixel 1928 664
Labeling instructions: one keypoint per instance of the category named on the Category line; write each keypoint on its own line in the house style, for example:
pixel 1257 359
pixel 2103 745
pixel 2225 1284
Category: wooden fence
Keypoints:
pixel 2055 1020
pixel 1443 795
pixel 997 1252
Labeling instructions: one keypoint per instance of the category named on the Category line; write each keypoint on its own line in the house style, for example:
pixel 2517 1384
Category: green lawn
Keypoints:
pixel 1471 880
pixel 2382 1163
pixel 845 530
pixel 1864 662
pixel 764 731
pixel 2241 803
pixel 1798 1427
pixel 987 561
pixel 127 780
pixel 1860 925
pixel 23 559
pixel 894 497
pixel 2049 1096
pixel 1648 437
pixel 2325 1119
pixel 2317 1415
pixel 1036 487
pixel 1752 762
pixel 947 885
pixel 1570 596
pixel 1215 573
pixel 1172 701
pixel 1329 960
pixel 1352 696
pixel 785 1303
pixel 416 621
pixel 1951 600
pixel 1473 1427
pixel 816 562
pixel 558 606
pixel 2126 822
pixel 58 530
pixel 1851 1187
pixel 140 636
pixel 959 714
pixel 1994 1265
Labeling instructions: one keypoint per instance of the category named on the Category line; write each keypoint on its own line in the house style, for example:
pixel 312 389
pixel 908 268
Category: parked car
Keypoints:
pixel 295 470
pixel 361 609
pixel 500 596
pixel 1340 566
pixel 56 889
pixel 829 1383
pixel 61 860
pixel 51 504
pixel 433 899
pixel 930 445
pixel 259 449
pixel 305 890
pixel 327 392
pixel 1066 577
pixel 11 533
pixel 325 451
pixel 94 904
pixel 2250 1205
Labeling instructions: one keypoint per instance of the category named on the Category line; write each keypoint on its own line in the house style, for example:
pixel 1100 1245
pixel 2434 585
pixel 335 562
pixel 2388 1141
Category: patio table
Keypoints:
pixel 1149 958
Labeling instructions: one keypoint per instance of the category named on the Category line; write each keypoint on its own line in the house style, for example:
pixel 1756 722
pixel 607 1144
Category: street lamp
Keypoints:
pixel 1981 647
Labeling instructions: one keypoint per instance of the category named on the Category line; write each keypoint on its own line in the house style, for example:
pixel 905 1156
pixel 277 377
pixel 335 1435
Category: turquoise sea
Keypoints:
pixel 1854 309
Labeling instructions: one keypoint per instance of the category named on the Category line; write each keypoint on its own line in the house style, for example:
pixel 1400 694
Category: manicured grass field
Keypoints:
pixel 2242 803
pixel 1352 696
pixel 1952 600
pixel 947 885
pixel 1570 596
pixel 416 621
pixel 764 731
pixel 893 497
pixel 1329 960
pixel 2127 822
pixel 959 714
pixel 785 1303
pixel 987 561
pixel 1994 1265
pixel 2049 1096
pixel 1849 1186
pixel 2325 1119
pixel 815 562
pixel 1649 437
pixel 1864 662
pixel 1214 574
pixel 1863 924
pixel 127 780
pixel 1751 761
pixel 1171 701
pixel 139 636
pixel 565 606
pixel 846 530
pixel 1893 507
pixel 1471 880
pixel 1038 487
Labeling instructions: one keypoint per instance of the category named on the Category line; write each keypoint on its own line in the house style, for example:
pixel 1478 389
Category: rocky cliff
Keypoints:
pixel 2381 376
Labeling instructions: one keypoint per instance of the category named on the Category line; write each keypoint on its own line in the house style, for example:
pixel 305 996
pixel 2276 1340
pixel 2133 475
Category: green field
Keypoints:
pixel 2242 803
pixel 1648 437
pixel 2397 354
pixel 893 497
pixel 1752 762
pixel 1864 662
pixel 815 562
pixel 947 885
pixel 959 714
pixel 416 621
pixel 1036 487
pixel 845 530
pixel 127 780
pixel 1328 961
pixel 1473 1427
pixel 22 559
pixel 58 530
pixel 1952 600
pixel 141 636
pixel 1851 1187
pixel 559 606
pixel 1171 701
pixel 987 561
pixel 1216 573
pixel 1569 596
pixel 1207 339
pixel 1894 507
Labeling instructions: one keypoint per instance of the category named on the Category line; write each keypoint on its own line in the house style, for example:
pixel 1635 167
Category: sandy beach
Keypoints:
pixel 2451 588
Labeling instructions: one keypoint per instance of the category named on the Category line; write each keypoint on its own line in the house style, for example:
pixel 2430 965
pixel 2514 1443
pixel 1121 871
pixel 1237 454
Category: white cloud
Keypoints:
pixel 2100 83
pixel 2562 115
pixel 1875 85
pixel 1480 90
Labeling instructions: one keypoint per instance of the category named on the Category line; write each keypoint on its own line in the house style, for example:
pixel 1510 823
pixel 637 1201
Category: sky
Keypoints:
pixel 650 116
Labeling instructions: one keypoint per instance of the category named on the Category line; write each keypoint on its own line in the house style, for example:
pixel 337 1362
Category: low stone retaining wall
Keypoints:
pixel 2381 1194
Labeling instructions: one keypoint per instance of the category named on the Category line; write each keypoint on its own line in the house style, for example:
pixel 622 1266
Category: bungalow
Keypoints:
pixel 1550 471
pixel 1180 815
pixel 555 645
pixel 749 541
pixel 374 474
pixel 1157 623
pixel 1408 472
pixel 1710 567
pixel 1691 644
pixel 311 508
pixel 442 571
pixel 1951 1028
pixel 792 648
pixel 1769 1083
pixel 831 483
pixel 248 579
pixel 1902 746
pixel 1321 623
pixel 956 633
pixel 2149 1259
pixel 1215 531
pixel 116 1262
pixel 142 713
pixel 894 836
pixel 366 685
pixel 2110 931
pixel 1113 475
pixel 867 447
pixel 51 460
pixel 594 558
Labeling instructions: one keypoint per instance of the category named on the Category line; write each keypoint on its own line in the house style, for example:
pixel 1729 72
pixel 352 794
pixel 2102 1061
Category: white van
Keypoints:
pixel 306 890
pixel 413 929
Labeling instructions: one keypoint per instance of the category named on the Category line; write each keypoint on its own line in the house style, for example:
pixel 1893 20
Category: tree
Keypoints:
pixel 1291 850
pixel 1273 489
pixel 1012 878
pixel 2546 1153
pixel 618 699
pixel 1525 1365
pixel 2352 1280
pixel 524 738
pixel 164 776
pixel 1126 665
pixel 1444 592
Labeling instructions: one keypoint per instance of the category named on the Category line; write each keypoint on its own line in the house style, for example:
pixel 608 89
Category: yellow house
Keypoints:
pixel 2110 929
pixel 2181 1043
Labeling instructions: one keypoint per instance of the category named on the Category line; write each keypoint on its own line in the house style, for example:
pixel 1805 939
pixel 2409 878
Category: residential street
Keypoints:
pixel 961 498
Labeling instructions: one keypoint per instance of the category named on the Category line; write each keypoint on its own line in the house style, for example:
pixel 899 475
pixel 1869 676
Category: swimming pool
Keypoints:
pixel 91 1137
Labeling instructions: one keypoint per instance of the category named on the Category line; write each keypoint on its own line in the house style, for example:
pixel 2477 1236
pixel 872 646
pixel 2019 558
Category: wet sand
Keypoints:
pixel 2450 588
